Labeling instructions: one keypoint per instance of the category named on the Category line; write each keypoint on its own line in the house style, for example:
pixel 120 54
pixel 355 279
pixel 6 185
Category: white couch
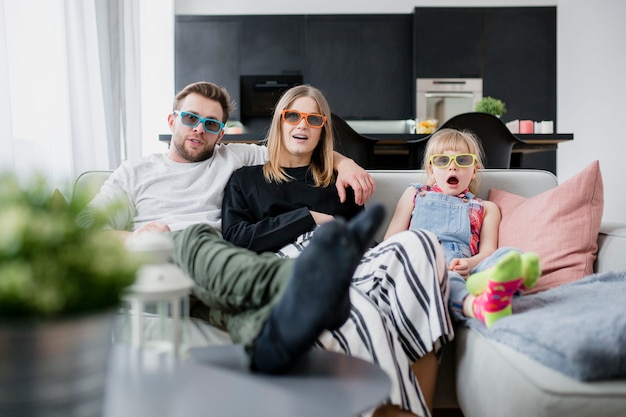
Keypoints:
pixel 478 375
pixel 486 378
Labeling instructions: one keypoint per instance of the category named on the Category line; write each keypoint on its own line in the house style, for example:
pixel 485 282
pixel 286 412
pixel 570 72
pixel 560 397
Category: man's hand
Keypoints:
pixel 154 227
pixel 349 174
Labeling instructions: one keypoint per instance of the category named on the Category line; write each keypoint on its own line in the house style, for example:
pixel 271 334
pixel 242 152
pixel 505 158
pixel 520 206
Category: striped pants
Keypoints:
pixel 398 299
pixel 399 312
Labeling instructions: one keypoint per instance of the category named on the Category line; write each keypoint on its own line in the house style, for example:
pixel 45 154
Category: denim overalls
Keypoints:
pixel 449 218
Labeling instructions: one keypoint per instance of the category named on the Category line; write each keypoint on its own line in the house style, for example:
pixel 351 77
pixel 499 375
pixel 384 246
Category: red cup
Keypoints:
pixel 526 126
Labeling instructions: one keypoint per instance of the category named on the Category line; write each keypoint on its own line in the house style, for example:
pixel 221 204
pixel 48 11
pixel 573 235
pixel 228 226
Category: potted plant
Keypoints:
pixel 60 284
pixel 491 105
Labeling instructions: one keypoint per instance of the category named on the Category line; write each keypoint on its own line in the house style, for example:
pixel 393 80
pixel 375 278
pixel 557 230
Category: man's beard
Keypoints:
pixel 202 156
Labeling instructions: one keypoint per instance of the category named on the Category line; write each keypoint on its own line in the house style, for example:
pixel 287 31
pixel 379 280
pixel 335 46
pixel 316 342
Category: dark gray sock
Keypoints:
pixel 316 297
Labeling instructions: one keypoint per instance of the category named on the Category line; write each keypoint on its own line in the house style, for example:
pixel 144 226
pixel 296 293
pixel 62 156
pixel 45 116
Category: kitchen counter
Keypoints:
pixel 530 141
pixel 393 150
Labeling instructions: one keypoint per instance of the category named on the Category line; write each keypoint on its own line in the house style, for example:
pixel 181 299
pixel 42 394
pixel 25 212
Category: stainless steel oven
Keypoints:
pixel 442 98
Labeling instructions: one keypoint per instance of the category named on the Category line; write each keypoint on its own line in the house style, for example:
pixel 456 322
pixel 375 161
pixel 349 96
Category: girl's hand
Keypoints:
pixel 460 266
pixel 153 227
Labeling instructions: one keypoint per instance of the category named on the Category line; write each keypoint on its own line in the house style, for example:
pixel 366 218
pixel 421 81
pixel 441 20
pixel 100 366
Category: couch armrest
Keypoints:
pixel 611 248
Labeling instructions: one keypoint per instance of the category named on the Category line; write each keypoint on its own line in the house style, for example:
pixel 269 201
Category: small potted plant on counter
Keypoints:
pixel 60 286
pixel 491 105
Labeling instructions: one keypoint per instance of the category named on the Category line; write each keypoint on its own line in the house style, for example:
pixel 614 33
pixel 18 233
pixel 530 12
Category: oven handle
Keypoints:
pixel 438 94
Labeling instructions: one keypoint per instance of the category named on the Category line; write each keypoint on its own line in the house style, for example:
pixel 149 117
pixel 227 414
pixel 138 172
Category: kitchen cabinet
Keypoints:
pixel 448 42
pixel 520 60
pixel 206 49
pixel 221 48
pixel 513 49
pixel 367 64
pixel 362 63
pixel 271 45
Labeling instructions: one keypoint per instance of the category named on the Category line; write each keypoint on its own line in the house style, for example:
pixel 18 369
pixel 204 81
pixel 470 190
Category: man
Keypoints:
pixel 253 297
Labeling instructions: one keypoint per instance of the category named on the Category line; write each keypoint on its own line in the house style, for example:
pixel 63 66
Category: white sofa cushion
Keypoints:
pixel 390 184
pixel 493 379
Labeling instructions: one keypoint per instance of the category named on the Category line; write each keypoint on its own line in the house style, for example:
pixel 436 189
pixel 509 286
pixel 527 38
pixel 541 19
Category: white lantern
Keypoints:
pixel 157 304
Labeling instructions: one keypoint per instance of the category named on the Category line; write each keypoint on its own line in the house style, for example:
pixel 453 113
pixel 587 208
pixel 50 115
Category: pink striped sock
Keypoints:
pixel 496 298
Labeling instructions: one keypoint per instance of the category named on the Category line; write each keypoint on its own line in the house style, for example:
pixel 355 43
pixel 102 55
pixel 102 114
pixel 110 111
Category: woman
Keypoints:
pixel 398 316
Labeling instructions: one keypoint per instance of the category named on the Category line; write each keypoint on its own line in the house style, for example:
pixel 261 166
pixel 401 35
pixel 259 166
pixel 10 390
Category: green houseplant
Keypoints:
pixel 491 105
pixel 50 266
pixel 60 284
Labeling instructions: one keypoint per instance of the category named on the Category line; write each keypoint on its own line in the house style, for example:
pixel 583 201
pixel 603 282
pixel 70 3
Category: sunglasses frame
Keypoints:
pixel 202 120
pixel 304 116
pixel 452 158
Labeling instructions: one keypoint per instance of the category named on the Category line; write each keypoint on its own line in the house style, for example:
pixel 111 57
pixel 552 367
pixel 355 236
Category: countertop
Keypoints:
pixel 401 138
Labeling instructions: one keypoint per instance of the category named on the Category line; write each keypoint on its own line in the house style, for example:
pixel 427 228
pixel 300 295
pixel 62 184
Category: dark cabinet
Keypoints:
pixel 207 50
pixel 271 45
pixel 513 49
pixel 330 66
pixel 367 64
pixel 221 48
pixel 520 60
pixel 448 42
pixel 362 64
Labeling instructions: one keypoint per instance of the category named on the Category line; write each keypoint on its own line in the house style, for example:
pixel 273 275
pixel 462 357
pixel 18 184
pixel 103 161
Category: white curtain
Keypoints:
pixel 68 85
pixel 7 153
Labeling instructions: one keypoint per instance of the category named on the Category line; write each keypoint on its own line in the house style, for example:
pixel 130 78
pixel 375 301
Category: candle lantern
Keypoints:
pixel 156 306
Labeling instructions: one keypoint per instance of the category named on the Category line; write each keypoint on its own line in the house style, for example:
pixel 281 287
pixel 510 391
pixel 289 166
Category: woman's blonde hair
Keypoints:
pixel 462 141
pixel 322 159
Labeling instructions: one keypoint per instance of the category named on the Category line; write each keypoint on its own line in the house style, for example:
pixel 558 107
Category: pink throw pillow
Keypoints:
pixel 561 225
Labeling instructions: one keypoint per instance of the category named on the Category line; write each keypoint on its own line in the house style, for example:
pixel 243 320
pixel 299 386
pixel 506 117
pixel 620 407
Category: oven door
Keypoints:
pixel 442 106
pixel 441 99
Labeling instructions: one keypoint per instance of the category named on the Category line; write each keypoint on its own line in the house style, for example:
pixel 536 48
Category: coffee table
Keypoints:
pixel 216 381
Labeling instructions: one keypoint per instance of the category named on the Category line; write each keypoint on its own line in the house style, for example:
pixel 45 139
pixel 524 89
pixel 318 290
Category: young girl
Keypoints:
pixel 467 228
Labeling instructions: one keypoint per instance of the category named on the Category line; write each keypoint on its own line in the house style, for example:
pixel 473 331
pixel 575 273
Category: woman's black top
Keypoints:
pixel 264 216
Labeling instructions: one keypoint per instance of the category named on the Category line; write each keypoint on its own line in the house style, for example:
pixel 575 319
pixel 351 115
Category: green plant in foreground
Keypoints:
pixel 491 105
pixel 51 266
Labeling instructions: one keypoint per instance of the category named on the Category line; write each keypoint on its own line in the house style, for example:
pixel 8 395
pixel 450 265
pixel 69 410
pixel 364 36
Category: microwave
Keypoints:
pixel 442 98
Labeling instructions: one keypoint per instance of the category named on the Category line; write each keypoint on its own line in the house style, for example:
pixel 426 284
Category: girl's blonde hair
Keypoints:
pixel 456 140
pixel 322 158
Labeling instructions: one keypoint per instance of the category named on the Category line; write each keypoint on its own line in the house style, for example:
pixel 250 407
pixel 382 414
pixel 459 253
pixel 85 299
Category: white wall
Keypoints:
pixel 591 62
pixel 157 71
pixel 591 93
pixel 332 6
